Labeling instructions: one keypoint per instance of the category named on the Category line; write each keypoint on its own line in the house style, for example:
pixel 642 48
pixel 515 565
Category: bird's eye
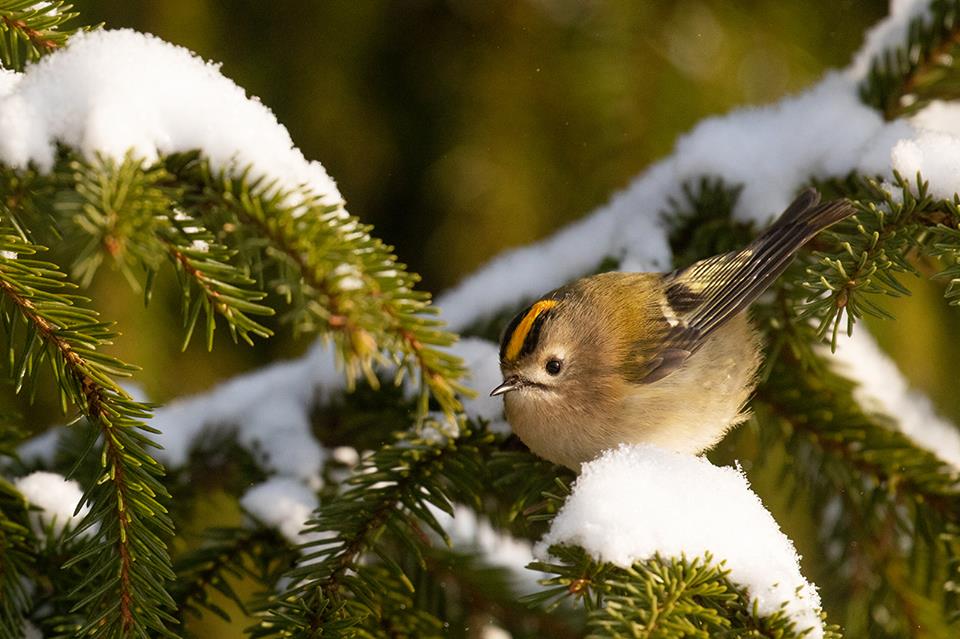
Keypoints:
pixel 553 366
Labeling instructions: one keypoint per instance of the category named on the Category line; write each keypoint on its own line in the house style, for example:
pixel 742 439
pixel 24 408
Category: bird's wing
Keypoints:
pixel 701 298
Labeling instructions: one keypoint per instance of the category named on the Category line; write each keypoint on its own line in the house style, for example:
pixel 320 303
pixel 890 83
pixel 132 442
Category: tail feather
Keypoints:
pixel 805 217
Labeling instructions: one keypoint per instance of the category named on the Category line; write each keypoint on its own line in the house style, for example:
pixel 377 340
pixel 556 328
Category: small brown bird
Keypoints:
pixel 662 358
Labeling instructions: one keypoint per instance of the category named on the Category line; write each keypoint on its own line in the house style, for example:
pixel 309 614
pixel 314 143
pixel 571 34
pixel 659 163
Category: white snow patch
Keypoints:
pixel 269 410
pixel 774 150
pixel 283 503
pixel 940 116
pixel 936 156
pixel 30 631
pixel 8 81
pixel 346 455
pixel 200 245
pixel 638 501
pixel 883 388
pixel 57 499
pixel 109 92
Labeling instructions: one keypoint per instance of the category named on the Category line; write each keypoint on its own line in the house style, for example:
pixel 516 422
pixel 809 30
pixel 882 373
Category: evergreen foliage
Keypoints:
pixel 660 598
pixel 376 559
pixel 30 29
pixel 904 79
pixel 16 559
pixel 391 497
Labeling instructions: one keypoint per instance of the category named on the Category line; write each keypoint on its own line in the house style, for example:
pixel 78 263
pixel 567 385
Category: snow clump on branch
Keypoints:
pixel 109 92
pixel 56 498
pixel 639 501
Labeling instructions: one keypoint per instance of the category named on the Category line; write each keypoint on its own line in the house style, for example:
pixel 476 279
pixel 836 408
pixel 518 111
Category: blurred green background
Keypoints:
pixel 462 128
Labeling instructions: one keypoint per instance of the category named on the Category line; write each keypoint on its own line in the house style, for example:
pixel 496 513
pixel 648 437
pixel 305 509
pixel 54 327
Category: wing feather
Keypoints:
pixel 701 298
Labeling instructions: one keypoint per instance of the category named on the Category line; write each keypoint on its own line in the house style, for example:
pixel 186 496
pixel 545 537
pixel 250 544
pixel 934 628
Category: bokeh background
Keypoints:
pixel 461 128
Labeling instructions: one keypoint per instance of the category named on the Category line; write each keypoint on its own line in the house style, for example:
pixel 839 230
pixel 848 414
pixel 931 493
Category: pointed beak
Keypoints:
pixel 509 384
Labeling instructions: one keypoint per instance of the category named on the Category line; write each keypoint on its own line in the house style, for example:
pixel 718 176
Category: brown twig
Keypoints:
pixel 93 394
pixel 37 38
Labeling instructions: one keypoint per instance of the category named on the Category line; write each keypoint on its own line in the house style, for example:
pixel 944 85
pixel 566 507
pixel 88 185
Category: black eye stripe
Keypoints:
pixel 511 327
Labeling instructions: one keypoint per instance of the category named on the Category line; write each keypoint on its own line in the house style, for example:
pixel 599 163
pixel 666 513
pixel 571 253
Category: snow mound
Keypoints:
pixel 639 501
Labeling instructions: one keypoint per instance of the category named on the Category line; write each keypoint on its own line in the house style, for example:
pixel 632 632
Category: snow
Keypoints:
pixel 283 503
pixel 825 131
pixel 938 116
pixel 639 501
pixel 936 156
pixel 57 499
pixel 882 388
pixel 346 455
pixel 111 91
pixel 8 80
pixel 268 409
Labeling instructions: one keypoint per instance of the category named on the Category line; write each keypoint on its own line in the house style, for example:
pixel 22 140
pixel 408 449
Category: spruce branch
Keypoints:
pixel 701 224
pixel 124 594
pixel 27 201
pixel 31 29
pixel 659 597
pixel 903 80
pixel 127 212
pixel 339 280
pixel 460 588
pixel 944 246
pixel 203 265
pixel 893 226
pixel 17 559
pixel 388 498
pixel 529 490
pixel 114 210
pixel 396 613
pixel 53 585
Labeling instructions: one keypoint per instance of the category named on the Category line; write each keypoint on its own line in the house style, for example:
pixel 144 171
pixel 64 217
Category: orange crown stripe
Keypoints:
pixel 523 328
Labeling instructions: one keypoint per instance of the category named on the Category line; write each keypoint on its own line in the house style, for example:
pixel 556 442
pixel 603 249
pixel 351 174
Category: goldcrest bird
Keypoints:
pixel 662 358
